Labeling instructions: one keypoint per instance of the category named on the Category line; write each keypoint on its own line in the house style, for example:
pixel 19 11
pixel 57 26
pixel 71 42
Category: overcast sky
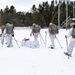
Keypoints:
pixel 21 5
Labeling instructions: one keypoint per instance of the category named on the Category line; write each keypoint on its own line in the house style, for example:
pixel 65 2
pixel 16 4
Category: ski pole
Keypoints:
pixel 42 38
pixel 16 42
pixel 58 42
pixel 45 38
pixel 67 43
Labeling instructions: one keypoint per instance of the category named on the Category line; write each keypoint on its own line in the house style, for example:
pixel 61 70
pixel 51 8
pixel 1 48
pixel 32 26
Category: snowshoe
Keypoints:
pixel 67 54
pixel 51 47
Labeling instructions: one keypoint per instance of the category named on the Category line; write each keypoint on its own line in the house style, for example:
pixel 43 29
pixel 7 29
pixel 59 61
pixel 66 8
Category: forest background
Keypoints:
pixel 42 15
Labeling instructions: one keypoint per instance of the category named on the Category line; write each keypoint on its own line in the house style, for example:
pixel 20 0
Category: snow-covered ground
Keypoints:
pixel 39 61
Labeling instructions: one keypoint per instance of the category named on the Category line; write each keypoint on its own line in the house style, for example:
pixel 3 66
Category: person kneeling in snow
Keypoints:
pixel 32 44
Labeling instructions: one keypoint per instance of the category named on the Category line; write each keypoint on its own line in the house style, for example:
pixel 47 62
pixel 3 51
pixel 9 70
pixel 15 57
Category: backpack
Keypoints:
pixel 36 29
pixel 53 29
pixel 9 29
pixel 73 32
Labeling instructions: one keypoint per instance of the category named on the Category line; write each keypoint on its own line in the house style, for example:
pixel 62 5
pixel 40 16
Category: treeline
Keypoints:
pixel 42 15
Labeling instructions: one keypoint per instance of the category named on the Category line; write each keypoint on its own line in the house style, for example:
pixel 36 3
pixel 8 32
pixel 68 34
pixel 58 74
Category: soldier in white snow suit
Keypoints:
pixel 9 33
pixel 72 41
pixel 53 30
pixel 2 34
pixel 35 32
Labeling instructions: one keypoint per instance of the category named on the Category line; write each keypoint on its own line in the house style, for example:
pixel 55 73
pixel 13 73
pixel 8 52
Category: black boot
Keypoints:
pixel 52 48
pixel 66 53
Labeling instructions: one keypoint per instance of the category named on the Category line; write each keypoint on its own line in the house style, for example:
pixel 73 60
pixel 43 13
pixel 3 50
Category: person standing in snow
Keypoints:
pixel 2 34
pixel 53 30
pixel 9 33
pixel 72 41
pixel 35 32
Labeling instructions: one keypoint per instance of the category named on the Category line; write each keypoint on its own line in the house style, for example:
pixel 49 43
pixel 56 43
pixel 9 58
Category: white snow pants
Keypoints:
pixel 71 46
pixel 52 38
pixel 9 40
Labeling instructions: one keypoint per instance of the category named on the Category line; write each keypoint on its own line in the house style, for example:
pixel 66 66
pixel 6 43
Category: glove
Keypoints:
pixel 0 35
pixel 65 36
pixel 12 35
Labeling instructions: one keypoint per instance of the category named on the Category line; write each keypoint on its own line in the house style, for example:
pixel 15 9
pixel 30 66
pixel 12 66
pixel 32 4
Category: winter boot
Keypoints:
pixel 66 53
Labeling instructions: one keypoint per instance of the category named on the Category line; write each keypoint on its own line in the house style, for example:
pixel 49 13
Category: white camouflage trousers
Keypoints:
pixel 9 40
pixel 71 46
pixel 52 38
